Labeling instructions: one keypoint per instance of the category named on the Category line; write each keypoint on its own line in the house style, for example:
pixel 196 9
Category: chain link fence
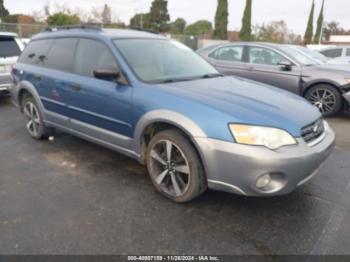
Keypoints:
pixel 23 30
pixel 28 30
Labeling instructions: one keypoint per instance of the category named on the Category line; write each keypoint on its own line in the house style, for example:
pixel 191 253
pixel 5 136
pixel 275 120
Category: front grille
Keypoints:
pixel 313 131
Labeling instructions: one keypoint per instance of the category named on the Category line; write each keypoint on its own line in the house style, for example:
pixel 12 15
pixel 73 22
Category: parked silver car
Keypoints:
pixel 325 86
pixel 10 48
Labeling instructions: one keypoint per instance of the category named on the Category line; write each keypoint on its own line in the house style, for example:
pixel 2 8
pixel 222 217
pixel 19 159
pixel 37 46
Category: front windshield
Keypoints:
pixel 313 54
pixel 163 60
pixel 299 56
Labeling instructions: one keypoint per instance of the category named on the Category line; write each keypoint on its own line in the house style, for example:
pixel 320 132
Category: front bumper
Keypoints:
pixel 235 168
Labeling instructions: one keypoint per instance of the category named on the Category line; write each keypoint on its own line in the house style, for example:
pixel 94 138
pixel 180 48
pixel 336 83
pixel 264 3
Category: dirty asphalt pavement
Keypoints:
pixel 70 196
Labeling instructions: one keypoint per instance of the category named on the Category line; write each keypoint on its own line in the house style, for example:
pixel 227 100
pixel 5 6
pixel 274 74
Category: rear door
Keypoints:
pixel 264 66
pixel 229 60
pixel 54 78
pixel 98 108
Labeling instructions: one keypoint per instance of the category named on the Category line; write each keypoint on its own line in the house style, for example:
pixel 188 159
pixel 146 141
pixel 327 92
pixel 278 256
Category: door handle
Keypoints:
pixel 75 87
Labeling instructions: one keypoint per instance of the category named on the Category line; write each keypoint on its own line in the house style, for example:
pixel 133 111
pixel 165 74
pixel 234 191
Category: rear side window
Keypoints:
pixel 9 47
pixel 36 52
pixel 228 53
pixel 333 53
pixel 91 54
pixel 61 54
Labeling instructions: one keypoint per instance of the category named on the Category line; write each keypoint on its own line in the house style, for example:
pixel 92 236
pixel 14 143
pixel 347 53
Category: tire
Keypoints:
pixel 326 98
pixel 182 178
pixel 34 119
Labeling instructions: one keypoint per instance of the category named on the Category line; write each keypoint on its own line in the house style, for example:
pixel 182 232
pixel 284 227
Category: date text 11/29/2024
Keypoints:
pixel 173 258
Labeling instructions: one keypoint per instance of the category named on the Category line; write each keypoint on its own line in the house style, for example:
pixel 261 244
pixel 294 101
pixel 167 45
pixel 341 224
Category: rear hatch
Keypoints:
pixel 10 49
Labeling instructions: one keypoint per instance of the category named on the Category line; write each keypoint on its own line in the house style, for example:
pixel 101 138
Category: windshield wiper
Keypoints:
pixel 170 80
pixel 211 76
pixel 173 80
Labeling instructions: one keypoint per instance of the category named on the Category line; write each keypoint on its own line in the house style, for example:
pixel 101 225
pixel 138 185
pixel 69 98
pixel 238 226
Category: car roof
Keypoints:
pixel 8 34
pixel 207 50
pixel 96 33
pixel 244 43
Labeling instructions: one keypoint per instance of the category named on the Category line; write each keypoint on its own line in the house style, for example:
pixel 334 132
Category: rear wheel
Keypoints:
pixel 34 119
pixel 174 167
pixel 326 98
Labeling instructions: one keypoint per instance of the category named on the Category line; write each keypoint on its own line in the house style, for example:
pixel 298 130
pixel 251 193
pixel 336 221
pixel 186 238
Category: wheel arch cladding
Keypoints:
pixel 160 120
pixel 27 88
pixel 322 82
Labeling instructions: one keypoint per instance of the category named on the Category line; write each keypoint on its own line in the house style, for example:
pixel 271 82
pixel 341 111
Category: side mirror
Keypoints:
pixel 108 73
pixel 286 65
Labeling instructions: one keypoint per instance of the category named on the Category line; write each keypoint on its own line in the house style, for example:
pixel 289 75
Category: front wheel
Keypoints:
pixel 174 167
pixel 326 98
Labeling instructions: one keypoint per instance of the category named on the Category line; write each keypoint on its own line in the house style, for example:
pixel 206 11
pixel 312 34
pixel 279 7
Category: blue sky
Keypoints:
pixel 294 12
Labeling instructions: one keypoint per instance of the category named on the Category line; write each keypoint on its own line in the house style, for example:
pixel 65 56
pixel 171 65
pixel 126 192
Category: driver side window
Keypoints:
pixel 264 56
pixel 91 54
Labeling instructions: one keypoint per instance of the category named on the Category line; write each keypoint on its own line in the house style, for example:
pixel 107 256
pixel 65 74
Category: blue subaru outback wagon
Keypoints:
pixel 155 100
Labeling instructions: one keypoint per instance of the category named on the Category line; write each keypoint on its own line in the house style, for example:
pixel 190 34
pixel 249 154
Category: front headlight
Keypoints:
pixel 269 137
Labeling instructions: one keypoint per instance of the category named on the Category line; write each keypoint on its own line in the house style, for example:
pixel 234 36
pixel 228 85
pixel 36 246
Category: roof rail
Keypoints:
pixel 71 27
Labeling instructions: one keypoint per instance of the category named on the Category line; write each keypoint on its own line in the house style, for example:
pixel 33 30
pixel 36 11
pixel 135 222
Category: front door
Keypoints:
pixel 98 108
pixel 264 66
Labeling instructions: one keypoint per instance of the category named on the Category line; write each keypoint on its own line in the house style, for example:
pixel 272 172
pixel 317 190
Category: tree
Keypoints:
pixel 246 31
pixel 106 15
pixel 221 20
pixel 276 32
pixel 334 28
pixel 60 19
pixel 310 28
pixel 200 27
pixel 159 16
pixel 178 26
pixel 3 10
pixel 141 21
pixel 319 29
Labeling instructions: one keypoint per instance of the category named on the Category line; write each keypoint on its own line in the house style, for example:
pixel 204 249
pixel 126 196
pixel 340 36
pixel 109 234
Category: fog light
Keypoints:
pixel 263 181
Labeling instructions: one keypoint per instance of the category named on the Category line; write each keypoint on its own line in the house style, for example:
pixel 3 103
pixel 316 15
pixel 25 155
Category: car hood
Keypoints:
pixel 249 102
pixel 335 68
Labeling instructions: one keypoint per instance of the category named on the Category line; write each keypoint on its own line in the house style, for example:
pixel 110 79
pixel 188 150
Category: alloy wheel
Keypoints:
pixel 323 99
pixel 171 171
pixel 32 117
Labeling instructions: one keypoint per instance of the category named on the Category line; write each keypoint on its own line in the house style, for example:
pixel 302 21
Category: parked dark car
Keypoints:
pixel 157 101
pixel 325 86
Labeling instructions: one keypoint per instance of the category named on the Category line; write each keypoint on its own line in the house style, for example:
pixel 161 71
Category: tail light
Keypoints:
pixel 12 71
pixel 13 67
